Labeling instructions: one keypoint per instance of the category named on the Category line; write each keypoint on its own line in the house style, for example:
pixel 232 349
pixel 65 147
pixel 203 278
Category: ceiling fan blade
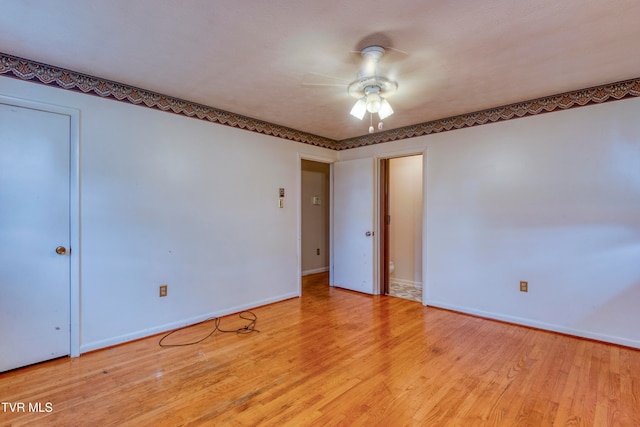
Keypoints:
pixel 324 84
pixel 325 76
pixel 397 50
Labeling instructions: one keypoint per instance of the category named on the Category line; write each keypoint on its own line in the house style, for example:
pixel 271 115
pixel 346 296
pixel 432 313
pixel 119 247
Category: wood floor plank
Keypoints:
pixel 336 357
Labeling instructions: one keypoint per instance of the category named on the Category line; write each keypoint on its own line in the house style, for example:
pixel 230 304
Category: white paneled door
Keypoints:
pixel 34 236
pixel 353 238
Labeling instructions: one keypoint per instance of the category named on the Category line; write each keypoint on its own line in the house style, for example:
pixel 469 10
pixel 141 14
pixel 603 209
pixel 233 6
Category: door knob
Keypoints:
pixel 61 250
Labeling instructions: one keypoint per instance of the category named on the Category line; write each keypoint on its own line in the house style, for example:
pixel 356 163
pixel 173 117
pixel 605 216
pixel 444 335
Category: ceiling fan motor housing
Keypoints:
pixel 385 86
pixel 373 53
pixel 367 81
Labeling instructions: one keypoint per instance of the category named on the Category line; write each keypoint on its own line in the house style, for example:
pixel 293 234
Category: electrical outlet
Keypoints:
pixel 318 251
pixel 524 286
pixel 163 290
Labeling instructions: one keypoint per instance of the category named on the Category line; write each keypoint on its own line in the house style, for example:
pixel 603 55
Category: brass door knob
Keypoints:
pixel 61 250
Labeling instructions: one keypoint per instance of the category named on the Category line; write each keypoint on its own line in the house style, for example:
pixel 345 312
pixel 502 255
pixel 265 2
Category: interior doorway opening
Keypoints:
pixel 401 201
pixel 315 218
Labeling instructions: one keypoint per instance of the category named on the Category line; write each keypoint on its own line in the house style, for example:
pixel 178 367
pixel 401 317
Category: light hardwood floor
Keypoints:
pixel 335 357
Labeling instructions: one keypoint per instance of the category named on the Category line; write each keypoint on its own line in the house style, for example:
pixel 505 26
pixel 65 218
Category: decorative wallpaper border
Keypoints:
pixel 25 69
pixel 564 101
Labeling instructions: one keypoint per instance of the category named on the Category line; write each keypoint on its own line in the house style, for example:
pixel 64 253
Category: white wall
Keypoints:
pixel 552 199
pixel 170 199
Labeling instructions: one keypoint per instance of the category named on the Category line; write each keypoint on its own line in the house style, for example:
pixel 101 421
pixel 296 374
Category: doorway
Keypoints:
pixel 401 201
pixel 38 230
pixel 315 211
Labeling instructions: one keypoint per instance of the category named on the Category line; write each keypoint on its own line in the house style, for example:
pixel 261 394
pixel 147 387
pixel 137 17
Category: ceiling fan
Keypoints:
pixel 372 90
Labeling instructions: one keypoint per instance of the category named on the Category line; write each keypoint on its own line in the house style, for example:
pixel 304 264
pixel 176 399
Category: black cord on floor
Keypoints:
pixel 247 329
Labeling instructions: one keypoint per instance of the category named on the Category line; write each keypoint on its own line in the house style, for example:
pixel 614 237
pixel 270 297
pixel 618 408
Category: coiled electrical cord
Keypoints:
pixel 247 329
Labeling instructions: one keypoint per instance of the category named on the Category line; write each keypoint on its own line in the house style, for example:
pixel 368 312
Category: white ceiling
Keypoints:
pixel 258 57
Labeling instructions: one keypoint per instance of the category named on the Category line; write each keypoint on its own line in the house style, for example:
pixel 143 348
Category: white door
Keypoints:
pixel 34 221
pixel 353 208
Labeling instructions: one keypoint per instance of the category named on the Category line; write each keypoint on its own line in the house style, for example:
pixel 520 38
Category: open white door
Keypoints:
pixel 34 236
pixel 353 217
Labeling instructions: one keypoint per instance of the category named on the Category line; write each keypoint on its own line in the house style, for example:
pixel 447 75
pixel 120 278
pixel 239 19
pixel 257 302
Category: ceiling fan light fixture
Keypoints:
pixel 359 109
pixel 385 109
pixel 373 102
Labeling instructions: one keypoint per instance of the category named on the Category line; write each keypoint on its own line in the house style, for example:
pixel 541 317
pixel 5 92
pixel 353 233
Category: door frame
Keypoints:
pixel 319 159
pixel 383 235
pixel 74 209
pixel 380 251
